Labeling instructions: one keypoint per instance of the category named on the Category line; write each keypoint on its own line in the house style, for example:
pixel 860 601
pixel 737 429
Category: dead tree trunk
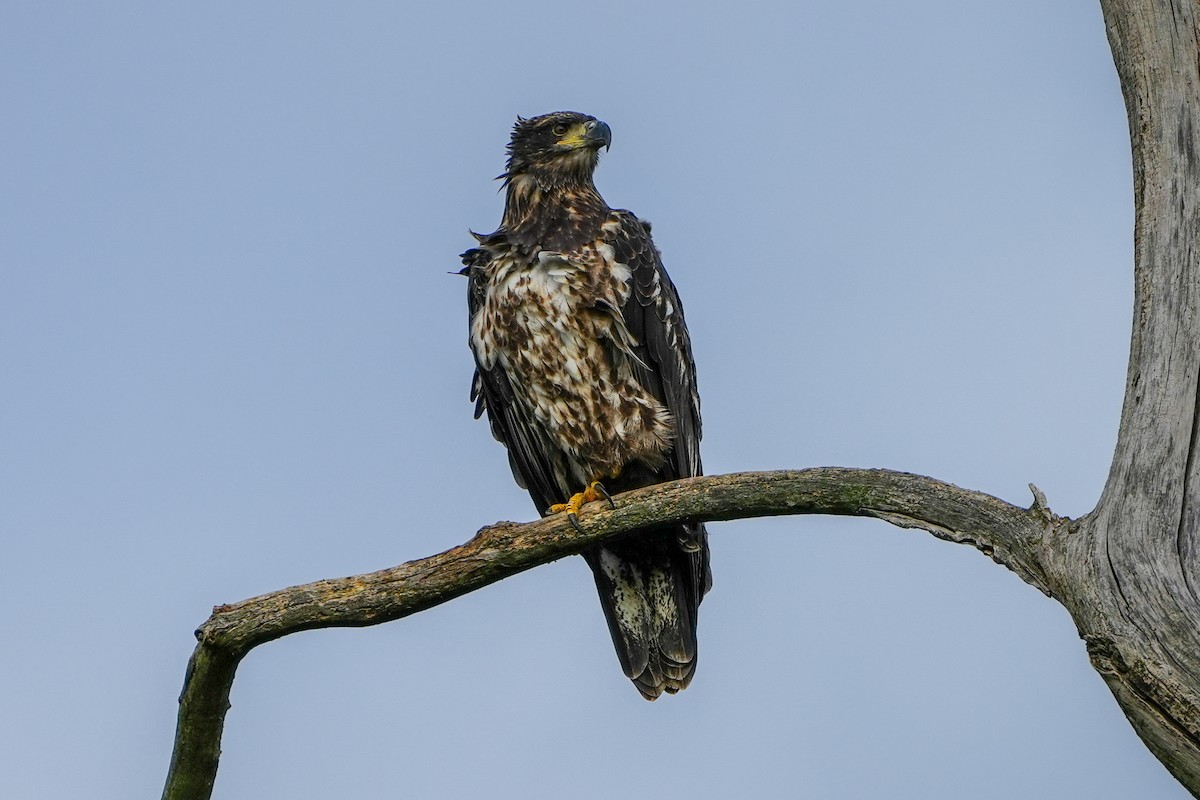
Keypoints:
pixel 1127 571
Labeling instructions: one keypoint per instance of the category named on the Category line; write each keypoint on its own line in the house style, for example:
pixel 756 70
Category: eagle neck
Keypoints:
pixel 550 216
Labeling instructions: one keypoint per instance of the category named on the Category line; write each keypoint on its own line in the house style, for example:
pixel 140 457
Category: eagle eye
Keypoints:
pixel 559 129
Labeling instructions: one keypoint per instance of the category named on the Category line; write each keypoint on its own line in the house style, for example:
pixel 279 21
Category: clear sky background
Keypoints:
pixel 233 360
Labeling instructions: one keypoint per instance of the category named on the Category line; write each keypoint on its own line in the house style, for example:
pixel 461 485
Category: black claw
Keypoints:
pixel 574 520
pixel 604 493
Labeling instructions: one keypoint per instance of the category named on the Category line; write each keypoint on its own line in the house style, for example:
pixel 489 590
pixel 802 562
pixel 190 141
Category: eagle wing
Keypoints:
pixel 653 315
pixel 667 570
pixel 491 391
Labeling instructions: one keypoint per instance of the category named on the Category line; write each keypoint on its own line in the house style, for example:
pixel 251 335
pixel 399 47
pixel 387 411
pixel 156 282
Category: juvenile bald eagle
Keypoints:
pixel 584 367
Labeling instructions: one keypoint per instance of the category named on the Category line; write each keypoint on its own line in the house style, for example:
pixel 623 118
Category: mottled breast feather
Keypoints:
pixel 554 327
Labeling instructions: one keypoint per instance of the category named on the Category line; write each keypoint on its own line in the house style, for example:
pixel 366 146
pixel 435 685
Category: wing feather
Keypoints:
pixel 653 315
pixel 528 456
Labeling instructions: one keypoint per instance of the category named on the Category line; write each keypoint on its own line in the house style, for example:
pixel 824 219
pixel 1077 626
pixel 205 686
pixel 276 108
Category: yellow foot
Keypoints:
pixel 594 491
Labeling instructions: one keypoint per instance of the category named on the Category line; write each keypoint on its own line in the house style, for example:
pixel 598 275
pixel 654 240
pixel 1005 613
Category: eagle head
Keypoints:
pixel 556 149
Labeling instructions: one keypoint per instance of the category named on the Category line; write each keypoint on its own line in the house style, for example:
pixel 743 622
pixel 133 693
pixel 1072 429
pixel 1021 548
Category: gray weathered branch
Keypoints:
pixel 1011 535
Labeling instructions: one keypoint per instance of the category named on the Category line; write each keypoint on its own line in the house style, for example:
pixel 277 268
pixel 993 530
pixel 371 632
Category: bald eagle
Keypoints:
pixel 584 367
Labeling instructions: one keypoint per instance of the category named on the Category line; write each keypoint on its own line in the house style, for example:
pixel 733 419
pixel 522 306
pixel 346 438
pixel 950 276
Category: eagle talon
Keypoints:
pixel 592 492
pixel 600 490
pixel 558 508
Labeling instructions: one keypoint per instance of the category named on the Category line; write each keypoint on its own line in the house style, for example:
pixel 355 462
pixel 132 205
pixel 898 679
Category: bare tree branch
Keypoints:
pixel 1011 535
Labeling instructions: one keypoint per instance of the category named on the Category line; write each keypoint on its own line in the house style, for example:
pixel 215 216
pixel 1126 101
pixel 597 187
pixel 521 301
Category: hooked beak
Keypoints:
pixel 598 134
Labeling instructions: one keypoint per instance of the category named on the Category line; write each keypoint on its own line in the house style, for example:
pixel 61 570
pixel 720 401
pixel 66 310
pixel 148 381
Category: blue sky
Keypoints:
pixel 234 361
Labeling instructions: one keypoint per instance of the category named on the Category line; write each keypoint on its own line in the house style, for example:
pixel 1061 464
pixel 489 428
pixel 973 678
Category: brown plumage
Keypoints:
pixel 584 368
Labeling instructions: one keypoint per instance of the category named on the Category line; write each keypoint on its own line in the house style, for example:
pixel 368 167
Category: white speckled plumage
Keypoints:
pixel 549 336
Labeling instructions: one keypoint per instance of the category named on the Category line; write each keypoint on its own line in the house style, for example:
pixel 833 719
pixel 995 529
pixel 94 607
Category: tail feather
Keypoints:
pixel 650 589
